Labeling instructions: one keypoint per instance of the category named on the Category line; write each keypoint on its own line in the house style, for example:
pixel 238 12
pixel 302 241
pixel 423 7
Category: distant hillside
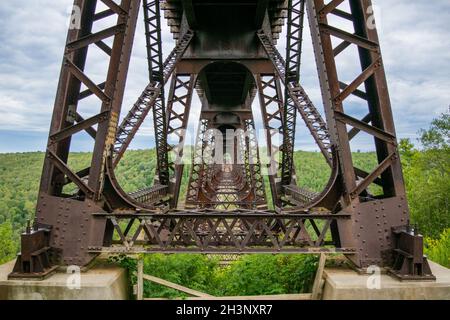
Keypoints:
pixel 426 171
pixel 20 174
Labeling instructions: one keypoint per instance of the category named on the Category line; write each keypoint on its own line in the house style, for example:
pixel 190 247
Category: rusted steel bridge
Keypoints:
pixel 226 53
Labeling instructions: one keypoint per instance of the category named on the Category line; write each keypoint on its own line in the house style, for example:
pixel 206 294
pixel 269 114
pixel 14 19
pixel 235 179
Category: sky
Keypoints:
pixel 414 37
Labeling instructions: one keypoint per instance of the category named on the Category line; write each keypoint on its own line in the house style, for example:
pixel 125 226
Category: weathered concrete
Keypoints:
pixel 347 284
pixel 101 282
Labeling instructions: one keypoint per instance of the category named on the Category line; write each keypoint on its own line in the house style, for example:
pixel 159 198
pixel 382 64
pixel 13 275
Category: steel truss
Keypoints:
pixel 67 122
pixel 149 99
pixel 73 228
pixel 376 97
pixel 197 171
pixel 239 231
pixel 297 97
pixel 271 103
pixel 224 186
pixel 253 163
pixel 314 121
pixel 295 20
pixel 378 123
pixel 178 111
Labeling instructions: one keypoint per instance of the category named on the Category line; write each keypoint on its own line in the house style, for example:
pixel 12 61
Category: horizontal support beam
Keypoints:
pixel 363 174
pixel 352 87
pixel 352 133
pixel 87 93
pixel 87 82
pixel 382 167
pixel 357 93
pixel 342 14
pixel 219 250
pixel 222 214
pixel 83 125
pixel 341 47
pixel 103 14
pixel 357 40
pixel 383 135
pixel 95 37
pixel 330 7
pixel 58 163
pixel 115 7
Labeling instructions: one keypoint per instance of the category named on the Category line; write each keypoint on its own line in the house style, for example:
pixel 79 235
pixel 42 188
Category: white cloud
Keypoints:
pixel 414 37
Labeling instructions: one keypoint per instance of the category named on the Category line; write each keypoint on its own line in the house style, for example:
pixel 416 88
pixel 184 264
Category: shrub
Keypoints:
pixel 250 275
pixel 8 245
pixel 438 250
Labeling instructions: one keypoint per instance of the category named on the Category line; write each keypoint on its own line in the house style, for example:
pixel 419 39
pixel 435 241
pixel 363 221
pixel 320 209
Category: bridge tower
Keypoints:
pixel 226 53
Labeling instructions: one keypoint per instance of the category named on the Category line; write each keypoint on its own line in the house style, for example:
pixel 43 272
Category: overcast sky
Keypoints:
pixel 414 35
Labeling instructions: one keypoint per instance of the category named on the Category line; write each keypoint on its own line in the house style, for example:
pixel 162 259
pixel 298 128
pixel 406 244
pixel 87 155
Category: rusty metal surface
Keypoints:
pixel 223 231
pixel 148 99
pixel 226 52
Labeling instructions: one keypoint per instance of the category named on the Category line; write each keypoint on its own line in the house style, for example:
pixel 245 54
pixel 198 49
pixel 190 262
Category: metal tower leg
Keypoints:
pixel 254 164
pixel 54 207
pixel 374 220
pixel 271 103
pixel 178 111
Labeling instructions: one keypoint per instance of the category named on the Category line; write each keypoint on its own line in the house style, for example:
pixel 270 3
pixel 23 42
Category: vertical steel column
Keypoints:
pixel 67 98
pixel 296 13
pixel 178 111
pixel 152 17
pixel 197 171
pixel 128 12
pixel 152 23
pixel 271 102
pixel 254 163
pixel 373 220
pixel 72 227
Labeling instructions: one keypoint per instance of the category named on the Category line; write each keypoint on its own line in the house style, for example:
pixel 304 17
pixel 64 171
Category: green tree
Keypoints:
pixel 439 250
pixel 8 246
pixel 427 178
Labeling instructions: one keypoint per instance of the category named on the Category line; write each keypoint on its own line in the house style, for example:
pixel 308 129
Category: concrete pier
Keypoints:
pixel 101 282
pixel 107 282
pixel 347 284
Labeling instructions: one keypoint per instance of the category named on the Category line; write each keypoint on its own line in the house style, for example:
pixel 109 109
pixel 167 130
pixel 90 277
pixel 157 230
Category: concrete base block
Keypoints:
pixel 101 282
pixel 347 284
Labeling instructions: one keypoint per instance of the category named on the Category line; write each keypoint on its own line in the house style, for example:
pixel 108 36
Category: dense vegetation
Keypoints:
pixel 427 177
pixel 250 275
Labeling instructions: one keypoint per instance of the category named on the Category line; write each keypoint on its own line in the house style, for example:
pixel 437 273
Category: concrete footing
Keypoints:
pixel 101 282
pixel 347 284
pixel 107 282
